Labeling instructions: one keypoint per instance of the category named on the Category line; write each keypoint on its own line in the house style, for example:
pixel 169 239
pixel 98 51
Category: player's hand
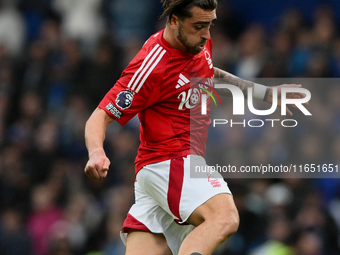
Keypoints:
pixel 294 95
pixel 98 165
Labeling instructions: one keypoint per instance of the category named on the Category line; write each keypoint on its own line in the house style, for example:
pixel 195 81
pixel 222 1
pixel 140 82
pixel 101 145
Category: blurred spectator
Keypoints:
pixel 70 233
pixel 300 53
pixel 114 243
pixel 118 207
pixel 34 13
pixel 35 67
pixel 45 213
pixel 44 150
pixel 126 28
pixel 309 243
pixel 278 233
pixel 74 114
pixel 277 61
pixel 14 239
pixel 103 71
pixel 81 21
pixel 15 181
pixel 51 36
pixel 252 52
pixel 12 28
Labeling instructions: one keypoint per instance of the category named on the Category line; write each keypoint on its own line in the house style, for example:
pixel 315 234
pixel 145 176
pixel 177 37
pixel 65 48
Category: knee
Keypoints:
pixel 228 224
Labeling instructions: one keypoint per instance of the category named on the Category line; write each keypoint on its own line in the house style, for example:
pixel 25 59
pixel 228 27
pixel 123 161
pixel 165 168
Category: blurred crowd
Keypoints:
pixel 58 58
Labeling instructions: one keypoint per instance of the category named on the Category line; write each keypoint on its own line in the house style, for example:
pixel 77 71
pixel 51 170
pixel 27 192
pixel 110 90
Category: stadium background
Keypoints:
pixel 59 57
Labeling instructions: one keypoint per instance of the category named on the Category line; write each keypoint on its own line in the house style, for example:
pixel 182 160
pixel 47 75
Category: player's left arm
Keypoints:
pixel 260 92
pixel 228 78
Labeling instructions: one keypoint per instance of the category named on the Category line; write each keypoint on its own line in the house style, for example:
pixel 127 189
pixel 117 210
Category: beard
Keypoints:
pixel 192 48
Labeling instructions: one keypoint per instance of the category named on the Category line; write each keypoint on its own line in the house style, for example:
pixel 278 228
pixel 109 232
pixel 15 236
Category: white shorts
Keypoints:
pixel 165 197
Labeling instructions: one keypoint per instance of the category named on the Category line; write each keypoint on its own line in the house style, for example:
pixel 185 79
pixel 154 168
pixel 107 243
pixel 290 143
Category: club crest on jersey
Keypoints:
pixel 124 99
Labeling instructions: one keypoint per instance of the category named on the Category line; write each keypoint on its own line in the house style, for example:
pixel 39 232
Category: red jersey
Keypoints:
pixel 156 85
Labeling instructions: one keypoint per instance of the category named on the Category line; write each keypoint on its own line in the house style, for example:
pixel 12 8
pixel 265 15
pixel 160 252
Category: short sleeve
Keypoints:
pixel 137 88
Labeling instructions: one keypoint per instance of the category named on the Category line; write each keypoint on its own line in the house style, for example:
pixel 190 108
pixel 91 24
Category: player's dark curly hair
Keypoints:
pixel 181 8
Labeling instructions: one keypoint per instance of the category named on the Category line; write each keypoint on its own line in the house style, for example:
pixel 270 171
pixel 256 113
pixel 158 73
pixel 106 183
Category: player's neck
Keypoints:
pixel 170 36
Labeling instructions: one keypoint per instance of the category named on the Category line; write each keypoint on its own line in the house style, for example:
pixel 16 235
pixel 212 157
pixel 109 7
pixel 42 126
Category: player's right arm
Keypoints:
pixel 95 129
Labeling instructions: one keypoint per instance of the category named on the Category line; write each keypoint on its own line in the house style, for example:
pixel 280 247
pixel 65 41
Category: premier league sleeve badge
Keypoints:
pixel 124 99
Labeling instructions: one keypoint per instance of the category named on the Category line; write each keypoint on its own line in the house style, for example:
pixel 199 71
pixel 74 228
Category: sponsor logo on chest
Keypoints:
pixel 190 98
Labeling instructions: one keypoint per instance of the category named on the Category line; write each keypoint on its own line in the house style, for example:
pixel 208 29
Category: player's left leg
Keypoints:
pixel 216 220
pixel 143 242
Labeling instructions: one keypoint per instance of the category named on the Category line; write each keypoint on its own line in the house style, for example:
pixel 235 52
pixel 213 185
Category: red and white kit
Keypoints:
pixel 156 85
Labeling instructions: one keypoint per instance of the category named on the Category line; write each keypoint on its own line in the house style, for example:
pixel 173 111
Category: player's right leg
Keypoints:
pixel 143 242
pixel 206 202
pixel 144 225
pixel 215 220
